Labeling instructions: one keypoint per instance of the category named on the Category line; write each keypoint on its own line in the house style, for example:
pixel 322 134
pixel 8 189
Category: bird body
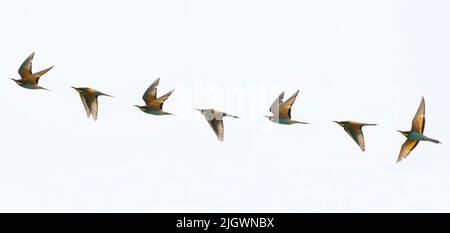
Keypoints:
pixel 354 129
pixel 281 111
pixel 30 80
pixel 153 111
pixel 284 121
pixel 89 98
pixel 415 135
pixel 154 105
pixel 215 120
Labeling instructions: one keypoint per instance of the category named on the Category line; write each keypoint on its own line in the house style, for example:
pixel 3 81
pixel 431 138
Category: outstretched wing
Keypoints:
pixel 25 68
pixel 85 104
pixel 165 96
pixel 407 147
pixel 217 127
pixel 285 108
pixel 275 107
pixel 36 76
pixel 150 94
pixel 418 123
pixel 358 137
pixel 94 107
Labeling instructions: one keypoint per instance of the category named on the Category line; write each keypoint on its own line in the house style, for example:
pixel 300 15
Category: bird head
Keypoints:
pixel 268 117
pixel 140 107
pixel 77 89
pixel 341 123
pixel 17 81
pixel 405 133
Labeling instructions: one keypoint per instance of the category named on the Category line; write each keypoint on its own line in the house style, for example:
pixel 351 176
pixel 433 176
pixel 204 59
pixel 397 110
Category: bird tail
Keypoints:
pixel 168 113
pixel 299 122
pixel 106 94
pixel 229 115
pixel 433 140
pixel 43 88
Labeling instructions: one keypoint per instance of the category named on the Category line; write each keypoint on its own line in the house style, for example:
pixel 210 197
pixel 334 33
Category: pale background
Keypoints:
pixel 369 61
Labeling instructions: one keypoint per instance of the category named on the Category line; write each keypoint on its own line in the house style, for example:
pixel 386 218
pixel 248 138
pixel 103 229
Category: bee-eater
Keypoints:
pixel 214 119
pixel 154 105
pixel 282 110
pixel 89 99
pixel 416 134
pixel 354 129
pixel 29 79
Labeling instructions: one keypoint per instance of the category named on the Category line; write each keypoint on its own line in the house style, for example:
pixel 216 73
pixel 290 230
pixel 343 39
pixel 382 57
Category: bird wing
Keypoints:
pixel 150 94
pixel 217 126
pixel 94 107
pixel 158 103
pixel 86 107
pixel 407 147
pixel 165 96
pixel 285 108
pixel 418 123
pixel 25 68
pixel 275 107
pixel 358 136
pixel 36 76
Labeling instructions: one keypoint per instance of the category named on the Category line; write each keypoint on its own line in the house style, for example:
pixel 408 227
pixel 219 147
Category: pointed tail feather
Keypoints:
pixel 434 141
pixel 43 88
pixel 229 115
pixel 299 122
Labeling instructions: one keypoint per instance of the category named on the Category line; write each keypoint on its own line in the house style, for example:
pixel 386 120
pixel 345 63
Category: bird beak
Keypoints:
pixel 76 89
pixel 336 122
pixel 198 109
pixel 266 116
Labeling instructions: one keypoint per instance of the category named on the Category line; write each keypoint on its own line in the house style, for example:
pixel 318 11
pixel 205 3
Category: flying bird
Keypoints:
pixel 89 99
pixel 215 120
pixel 354 129
pixel 416 134
pixel 29 79
pixel 154 105
pixel 282 110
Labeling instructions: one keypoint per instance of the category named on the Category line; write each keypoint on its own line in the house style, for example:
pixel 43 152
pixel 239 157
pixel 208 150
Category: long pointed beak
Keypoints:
pixel 336 122
pixel 198 109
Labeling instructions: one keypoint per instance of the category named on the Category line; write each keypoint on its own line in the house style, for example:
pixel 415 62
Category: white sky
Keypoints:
pixel 369 61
